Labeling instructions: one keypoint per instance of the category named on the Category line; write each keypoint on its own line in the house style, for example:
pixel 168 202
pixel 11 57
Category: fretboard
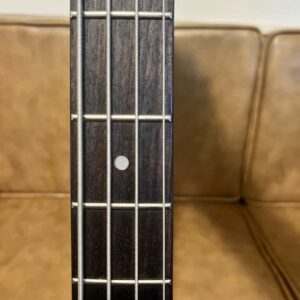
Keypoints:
pixel 121 141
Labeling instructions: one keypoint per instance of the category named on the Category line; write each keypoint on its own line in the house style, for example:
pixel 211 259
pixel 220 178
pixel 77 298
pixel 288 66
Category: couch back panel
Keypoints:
pixel 34 108
pixel 274 168
pixel 215 79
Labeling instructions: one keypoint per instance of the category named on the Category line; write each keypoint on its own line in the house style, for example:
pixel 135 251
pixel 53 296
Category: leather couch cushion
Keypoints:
pixel 35 248
pixel 215 75
pixel 216 257
pixel 274 172
pixel 279 231
pixel 34 108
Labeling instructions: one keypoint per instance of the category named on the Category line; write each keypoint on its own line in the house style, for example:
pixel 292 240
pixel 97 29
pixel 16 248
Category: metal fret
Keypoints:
pixel 124 14
pixel 108 122
pixel 124 205
pixel 124 281
pixel 96 117
pixel 80 265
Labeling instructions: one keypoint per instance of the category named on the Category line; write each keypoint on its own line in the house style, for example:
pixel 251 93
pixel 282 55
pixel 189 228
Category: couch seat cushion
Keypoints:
pixel 216 257
pixel 280 234
pixel 35 248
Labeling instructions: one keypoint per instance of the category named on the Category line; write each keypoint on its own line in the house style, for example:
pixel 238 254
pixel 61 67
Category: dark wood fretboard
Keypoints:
pixel 121 141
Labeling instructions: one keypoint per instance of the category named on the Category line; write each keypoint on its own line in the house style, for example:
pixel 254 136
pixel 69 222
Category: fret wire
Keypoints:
pixel 108 134
pixel 99 117
pixel 80 267
pixel 123 281
pixel 123 205
pixel 136 258
pixel 123 14
pixel 164 147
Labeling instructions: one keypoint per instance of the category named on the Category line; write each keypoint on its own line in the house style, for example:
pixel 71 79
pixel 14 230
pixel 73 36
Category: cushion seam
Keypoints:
pixel 282 276
pixel 33 195
pixel 252 117
pixel 273 204
pixel 207 199
pixel 255 116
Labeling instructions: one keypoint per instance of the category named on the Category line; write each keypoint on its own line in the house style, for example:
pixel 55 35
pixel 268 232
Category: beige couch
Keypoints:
pixel 237 163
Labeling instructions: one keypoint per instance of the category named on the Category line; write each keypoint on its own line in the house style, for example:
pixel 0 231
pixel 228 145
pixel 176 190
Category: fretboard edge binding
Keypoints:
pixel 124 14
pixel 124 282
pixel 124 205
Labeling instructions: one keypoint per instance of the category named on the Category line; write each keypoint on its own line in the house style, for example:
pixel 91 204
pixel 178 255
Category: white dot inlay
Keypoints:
pixel 121 163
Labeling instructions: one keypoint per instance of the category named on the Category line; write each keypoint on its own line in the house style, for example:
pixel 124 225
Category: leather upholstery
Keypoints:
pixel 229 126
pixel 280 231
pixel 272 187
pixel 35 247
pixel 274 172
pixel 34 108
pixel 215 257
pixel 215 72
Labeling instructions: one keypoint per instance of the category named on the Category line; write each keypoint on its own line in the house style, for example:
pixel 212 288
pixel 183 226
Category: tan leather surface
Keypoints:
pixel 35 249
pixel 215 71
pixel 34 108
pixel 274 173
pixel 215 256
pixel 280 229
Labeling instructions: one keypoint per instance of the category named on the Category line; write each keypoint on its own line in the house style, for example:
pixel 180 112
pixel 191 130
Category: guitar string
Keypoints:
pixel 164 147
pixel 108 134
pixel 136 271
pixel 80 286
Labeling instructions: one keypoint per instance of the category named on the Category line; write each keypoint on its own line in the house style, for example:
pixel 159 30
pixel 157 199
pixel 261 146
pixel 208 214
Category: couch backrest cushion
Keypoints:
pixel 274 168
pixel 214 83
pixel 215 78
pixel 34 108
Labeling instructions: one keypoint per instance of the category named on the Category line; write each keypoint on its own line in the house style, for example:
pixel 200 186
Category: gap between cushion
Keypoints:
pixel 282 277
